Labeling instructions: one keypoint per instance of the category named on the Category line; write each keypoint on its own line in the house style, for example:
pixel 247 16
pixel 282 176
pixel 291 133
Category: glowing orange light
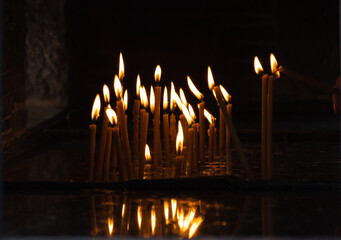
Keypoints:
pixel 258 66
pixel 183 97
pixel 138 85
pixel 194 227
pixel 191 112
pixel 111 116
pixel 139 216
pixel 166 210
pixel 172 100
pixel 121 67
pixel 194 90
pixel 147 153
pixel 179 138
pixel 96 108
pixel 186 114
pixel 174 205
pixel 153 219
pixel 118 87
pixel 123 209
pixel 226 95
pixel 165 99
pixel 188 219
pixel 157 74
pixel 106 94
pixel 177 100
pixel 125 100
pixel 210 79
pixel 110 225
pixel 152 99
pixel 143 97
pixel 209 116
pixel 274 65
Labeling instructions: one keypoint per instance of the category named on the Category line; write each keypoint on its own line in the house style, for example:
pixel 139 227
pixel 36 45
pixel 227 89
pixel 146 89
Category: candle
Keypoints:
pixel 136 122
pixel 165 121
pixel 112 118
pixel 157 138
pixel 194 145
pixel 179 149
pixel 269 127
pixel 189 147
pixel 94 116
pixel 259 69
pixel 195 148
pixel 172 120
pixel 148 167
pixel 222 134
pixel 121 166
pixel 234 135
pixel 210 133
pixel 102 142
pixel 201 107
pixel 123 127
pixel 226 134
pixel 144 130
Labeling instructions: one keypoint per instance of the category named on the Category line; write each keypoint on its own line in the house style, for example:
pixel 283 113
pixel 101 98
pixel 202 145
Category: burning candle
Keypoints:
pixel 144 130
pixel 148 166
pixel 210 131
pixel 165 119
pixel 179 147
pixel 194 166
pixel 94 116
pixel 157 138
pixel 189 131
pixel 201 107
pixel 172 130
pixel 102 143
pixel 226 135
pixel 112 118
pixel 259 70
pixel 136 122
pixel 123 127
pixel 234 135
pixel 183 118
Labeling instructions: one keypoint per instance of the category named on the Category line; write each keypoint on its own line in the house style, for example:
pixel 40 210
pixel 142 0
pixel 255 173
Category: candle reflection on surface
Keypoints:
pixel 110 225
pixel 153 219
pixel 139 217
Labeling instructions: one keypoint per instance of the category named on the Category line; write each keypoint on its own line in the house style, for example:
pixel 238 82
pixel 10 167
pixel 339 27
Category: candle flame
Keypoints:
pixel 172 97
pixel 121 67
pixel 166 210
pixel 194 90
pixel 183 97
pixel 111 116
pixel 123 209
pixel 188 219
pixel 186 114
pixel 152 99
pixel 274 65
pixel 209 116
pixel 157 74
pixel 165 99
pixel 96 108
pixel 147 153
pixel 153 219
pixel 196 223
pixel 125 100
pixel 106 94
pixel 173 203
pixel 180 217
pixel 179 138
pixel 118 87
pixel 110 225
pixel 143 97
pixel 138 85
pixel 139 216
pixel 257 65
pixel 226 95
pixel 191 112
pixel 210 79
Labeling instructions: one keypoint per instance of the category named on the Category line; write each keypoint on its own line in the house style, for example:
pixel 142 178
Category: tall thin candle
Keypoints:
pixel 94 116
pixel 136 122
pixel 157 138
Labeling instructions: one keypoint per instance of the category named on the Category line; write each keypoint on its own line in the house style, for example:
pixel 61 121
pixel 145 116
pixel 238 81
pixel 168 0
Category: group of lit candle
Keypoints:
pixel 147 217
pixel 182 151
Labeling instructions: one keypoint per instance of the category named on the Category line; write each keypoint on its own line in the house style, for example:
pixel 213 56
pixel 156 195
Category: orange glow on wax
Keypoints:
pixel 274 65
pixel 138 85
pixel 111 116
pixel 117 87
pixel 106 94
pixel 157 74
pixel 152 99
pixel 121 67
pixel 179 138
pixel 143 97
pixel 165 98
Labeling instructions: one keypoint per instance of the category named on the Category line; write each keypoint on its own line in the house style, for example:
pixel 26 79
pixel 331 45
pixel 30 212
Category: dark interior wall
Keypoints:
pixel 14 113
pixel 185 37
